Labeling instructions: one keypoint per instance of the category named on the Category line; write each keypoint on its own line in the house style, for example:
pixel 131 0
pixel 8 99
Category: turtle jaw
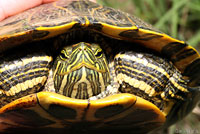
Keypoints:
pixel 83 65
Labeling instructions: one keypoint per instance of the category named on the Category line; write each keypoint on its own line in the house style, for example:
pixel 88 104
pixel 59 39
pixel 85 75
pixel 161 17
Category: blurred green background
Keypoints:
pixel 177 18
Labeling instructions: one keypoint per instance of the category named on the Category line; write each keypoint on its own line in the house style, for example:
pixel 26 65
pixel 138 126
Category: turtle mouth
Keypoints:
pixel 81 65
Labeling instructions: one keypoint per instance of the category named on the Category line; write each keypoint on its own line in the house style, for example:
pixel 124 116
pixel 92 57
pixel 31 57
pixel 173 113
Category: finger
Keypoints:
pixel 12 7
pixel 93 1
pixel 47 1
pixel 16 6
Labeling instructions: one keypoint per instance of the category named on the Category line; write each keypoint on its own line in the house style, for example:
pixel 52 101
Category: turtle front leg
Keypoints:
pixel 22 74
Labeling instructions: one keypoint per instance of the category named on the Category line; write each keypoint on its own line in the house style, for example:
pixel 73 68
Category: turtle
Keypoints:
pixel 80 67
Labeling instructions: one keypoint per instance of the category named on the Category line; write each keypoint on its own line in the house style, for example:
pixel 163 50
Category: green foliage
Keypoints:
pixel 178 18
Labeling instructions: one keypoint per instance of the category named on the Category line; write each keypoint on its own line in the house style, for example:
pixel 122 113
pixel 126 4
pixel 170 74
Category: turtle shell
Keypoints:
pixel 51 112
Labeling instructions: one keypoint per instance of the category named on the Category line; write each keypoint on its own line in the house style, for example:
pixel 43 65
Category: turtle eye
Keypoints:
pixel 99 54
pixel 63 55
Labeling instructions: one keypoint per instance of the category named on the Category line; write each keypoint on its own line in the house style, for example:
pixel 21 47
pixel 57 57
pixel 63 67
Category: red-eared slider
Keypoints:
pixel 79 67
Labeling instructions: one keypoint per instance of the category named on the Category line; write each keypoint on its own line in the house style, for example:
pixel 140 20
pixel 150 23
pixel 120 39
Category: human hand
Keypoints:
pixel 12 7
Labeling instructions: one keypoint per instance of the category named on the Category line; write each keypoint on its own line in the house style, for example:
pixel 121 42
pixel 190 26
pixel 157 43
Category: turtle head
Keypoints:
pixel 81 71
